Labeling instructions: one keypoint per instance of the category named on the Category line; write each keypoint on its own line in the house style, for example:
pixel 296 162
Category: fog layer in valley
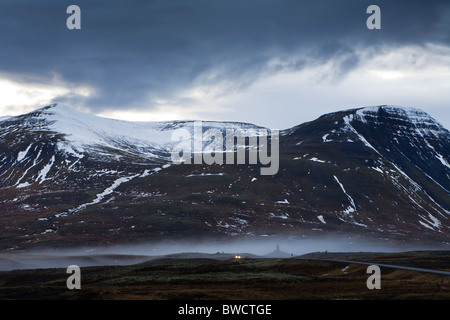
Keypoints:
pixel 132 254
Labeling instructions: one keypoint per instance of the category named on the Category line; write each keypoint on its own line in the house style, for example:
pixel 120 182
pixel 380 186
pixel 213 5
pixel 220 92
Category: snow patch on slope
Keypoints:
pixel 347 121
pixel 83 129
pixel 317 160
pixel 325 138
pixel 442 160
pixel 99 197
pixel 42 176
pixel 21 155
pixel 353 206
pixel 321 219
pixel 106 192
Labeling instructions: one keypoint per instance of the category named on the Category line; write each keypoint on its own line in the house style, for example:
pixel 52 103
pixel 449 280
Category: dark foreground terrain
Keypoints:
pixel 218 277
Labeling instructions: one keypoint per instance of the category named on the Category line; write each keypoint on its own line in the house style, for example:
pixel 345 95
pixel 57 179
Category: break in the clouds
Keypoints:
pixel 217 59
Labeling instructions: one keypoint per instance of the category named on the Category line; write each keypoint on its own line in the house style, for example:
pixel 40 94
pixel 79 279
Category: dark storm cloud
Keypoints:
pixel 130 50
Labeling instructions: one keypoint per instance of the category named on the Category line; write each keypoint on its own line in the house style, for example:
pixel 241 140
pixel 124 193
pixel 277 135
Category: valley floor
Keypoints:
pixel 207 277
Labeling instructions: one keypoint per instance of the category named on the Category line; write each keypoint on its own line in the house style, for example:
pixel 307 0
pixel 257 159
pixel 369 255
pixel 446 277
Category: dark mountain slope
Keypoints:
pixel 74 179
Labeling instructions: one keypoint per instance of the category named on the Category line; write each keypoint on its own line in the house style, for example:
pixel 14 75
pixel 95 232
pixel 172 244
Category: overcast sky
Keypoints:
pixel 276 63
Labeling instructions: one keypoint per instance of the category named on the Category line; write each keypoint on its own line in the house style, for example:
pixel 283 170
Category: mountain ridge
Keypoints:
pixel 377 172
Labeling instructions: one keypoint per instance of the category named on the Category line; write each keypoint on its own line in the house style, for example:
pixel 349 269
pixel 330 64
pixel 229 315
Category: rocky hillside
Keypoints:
pixel 69 178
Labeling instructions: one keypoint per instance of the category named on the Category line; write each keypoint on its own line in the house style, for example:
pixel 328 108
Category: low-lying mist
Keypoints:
pixel 258 247
pixel 137 253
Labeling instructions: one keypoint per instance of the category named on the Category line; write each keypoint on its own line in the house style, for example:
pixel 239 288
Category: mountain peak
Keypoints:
pixel 63 110
pixel 405 114
pixel 392 109
pixel 53 107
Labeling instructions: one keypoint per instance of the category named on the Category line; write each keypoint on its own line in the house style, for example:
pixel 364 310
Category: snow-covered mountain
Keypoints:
pixel 70 178
pixel 85 133
pixel 60 137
